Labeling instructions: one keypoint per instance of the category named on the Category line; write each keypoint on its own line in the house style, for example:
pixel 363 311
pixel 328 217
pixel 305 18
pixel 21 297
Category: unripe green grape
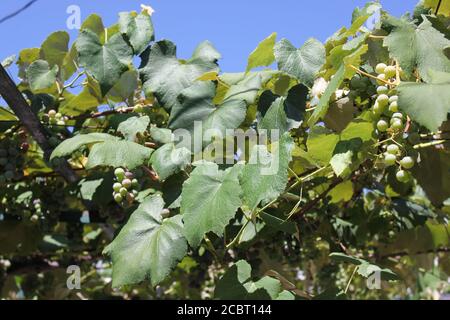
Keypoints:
pixel 393 98
pixel 393 107
pixel 396 124
pixel 118 198
pixel 382 126
pixel 117 186
pixel 393 149
pixel 380 68
pixel 390 71
pixel 126 183
pixel 58 116
pixel 382 90
pixel 381 79
pixel 377 109
pixel 123 192
pixel 383 100
pixel 119 173
pixel 389 159
pixel 397 115
pixel 135 193
pixel 402 176
pixel 34 218
pixel 60 123
pixel 134 183
pixel 407 163
pixel 52 113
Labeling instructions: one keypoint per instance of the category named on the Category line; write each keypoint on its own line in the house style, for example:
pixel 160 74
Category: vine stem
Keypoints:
pixel 429 144
pixel 350 280
pixel 369 75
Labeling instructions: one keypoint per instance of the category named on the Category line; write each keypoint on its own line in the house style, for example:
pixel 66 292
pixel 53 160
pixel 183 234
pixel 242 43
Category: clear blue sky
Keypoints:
pixel 235 27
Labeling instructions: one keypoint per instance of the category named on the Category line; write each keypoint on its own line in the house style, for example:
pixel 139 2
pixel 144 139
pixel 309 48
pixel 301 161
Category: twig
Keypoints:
pixel 15 13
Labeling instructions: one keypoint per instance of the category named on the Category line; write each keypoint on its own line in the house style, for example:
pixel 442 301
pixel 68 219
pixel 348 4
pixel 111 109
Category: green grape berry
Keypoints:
pixel 34 218
pixel 357 83
pixel 118 198
pixel 117 186
pixel 390 71
pixel 134 183
pixel 123 192
pixel 407 163
pixel 120 174
pixel 396 124
pixel 381 79
pixel 393 107
pixel 380 68
pixel 393 98
pixel 377 109
pixel 397 115
pixel 383 100
pixel 382 90
pixel 393 149
pixel 389 159
pixel 52 113
pixel 126 183
pixel 382 126
pixel 402 176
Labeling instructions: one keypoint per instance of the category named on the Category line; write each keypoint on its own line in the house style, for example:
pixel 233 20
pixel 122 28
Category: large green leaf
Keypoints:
pixel 69 146
pixel 105 62
pixel 169 160
pixel 138 28
pixel 263 55
pixel 41 76
pixel 55 50
pixel 266 175
pixel 419 47
pixel 148 246
pixel 118 153
pixel 427 103
pixel 210 199
pixel 197 105
pixel 303 63
pixel 166 76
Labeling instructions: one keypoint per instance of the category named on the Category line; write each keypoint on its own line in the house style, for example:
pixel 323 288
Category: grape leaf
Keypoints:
pixel 105 62
pixel 263 55
pixel 166 76
pixel 419 47
pixel 210 199
pixel 303 63
pixel 69 146
pixel 148 246
pixel 41 76
pixel 118 153
pixel 418 99
pixel 132 126
pixel 169 160
pixel 266 175
pixel 138 28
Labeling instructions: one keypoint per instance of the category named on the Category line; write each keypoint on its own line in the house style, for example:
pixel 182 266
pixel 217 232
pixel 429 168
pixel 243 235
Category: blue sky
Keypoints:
pixel 235 27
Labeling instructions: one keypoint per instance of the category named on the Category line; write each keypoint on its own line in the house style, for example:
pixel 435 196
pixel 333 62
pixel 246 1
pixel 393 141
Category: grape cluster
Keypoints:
pixel 391 121
pixel 55 118
pixel 11 160
pixel 125 189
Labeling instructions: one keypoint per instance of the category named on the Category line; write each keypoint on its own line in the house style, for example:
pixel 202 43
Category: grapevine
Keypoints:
pixel 164 177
